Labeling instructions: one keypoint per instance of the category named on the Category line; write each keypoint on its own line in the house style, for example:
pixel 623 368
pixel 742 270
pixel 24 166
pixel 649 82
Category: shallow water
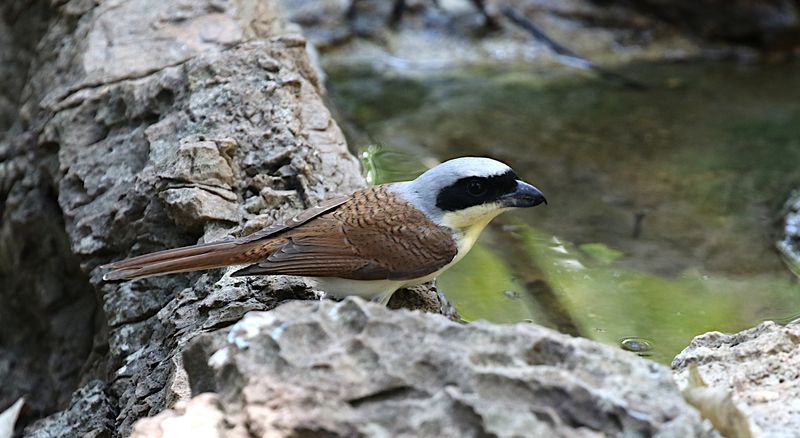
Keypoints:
pixel 664 204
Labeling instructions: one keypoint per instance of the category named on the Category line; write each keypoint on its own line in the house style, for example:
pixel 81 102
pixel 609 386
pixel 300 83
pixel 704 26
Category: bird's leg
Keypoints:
pixel 383 299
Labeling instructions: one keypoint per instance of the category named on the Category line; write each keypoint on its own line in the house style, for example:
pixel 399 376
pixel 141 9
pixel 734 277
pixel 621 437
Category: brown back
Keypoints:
pixel 372 235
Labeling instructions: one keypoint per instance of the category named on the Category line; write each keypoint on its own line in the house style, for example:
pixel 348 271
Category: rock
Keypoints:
pixel 22 25
pixel 358 369
pixel 90 414
pixel 766 24
pixel 47 300
pixel 8 418
pixel 717 405
pixel 760 366
pixel 201 162
pixel 432 36
pixel 143 125
pixel 454 35
pixel 200 417
pixel 425 298
pixel 193 207
pixel 790 244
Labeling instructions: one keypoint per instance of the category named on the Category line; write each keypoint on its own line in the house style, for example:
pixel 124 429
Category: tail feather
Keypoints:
pixel 190 258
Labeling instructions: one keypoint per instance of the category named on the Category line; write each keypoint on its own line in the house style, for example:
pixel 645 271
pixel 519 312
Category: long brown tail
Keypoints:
pixel 190 258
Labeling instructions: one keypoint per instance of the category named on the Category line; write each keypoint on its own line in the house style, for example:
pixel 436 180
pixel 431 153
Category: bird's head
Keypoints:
pixel 468 192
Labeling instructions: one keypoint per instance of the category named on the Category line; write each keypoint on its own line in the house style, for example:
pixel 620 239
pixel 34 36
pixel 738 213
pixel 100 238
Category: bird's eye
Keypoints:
pixel 476 188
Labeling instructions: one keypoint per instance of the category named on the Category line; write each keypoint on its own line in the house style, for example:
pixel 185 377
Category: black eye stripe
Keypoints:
pixel 476 188
pixel 457 196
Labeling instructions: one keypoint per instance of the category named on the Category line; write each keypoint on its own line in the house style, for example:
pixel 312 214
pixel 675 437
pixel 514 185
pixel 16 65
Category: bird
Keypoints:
pixel 371 243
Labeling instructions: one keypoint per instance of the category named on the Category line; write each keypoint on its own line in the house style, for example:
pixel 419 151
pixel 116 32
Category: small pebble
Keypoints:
pixel 636 345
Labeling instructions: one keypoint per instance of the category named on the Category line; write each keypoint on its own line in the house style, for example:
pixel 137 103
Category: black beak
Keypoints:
pixel 524 196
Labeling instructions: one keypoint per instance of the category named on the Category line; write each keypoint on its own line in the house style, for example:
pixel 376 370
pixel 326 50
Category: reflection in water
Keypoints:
pixel 663 202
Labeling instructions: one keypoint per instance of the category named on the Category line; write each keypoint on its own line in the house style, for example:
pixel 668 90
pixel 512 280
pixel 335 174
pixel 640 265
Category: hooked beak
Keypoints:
pixel 524 196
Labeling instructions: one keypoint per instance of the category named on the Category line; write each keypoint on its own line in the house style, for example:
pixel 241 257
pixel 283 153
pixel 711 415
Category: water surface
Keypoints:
pixel 664 204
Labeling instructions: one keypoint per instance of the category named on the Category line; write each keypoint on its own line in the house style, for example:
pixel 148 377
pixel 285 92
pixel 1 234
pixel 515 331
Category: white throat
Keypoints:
pixel 468 224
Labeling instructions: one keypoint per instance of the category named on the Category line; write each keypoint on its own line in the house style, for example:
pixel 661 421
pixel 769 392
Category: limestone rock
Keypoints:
pixel 136 126
pixel 425 298
pixel 201 162
pixel 431 35
pixel 191 207
pixel 90 414
pixel 789 245
pixel 144 125
pixel 766 24
pixel 358 369
pixel 200 417
pixel 761 366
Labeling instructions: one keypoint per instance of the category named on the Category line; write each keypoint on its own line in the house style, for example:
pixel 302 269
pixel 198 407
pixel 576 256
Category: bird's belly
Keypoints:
pixel 368 289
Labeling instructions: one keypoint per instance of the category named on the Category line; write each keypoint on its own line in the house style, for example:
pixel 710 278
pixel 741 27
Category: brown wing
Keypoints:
pixel 301 218
pixel 374 235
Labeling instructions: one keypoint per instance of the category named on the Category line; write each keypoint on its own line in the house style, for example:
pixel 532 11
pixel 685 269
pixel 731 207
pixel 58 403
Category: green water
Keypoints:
pixel 664 204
